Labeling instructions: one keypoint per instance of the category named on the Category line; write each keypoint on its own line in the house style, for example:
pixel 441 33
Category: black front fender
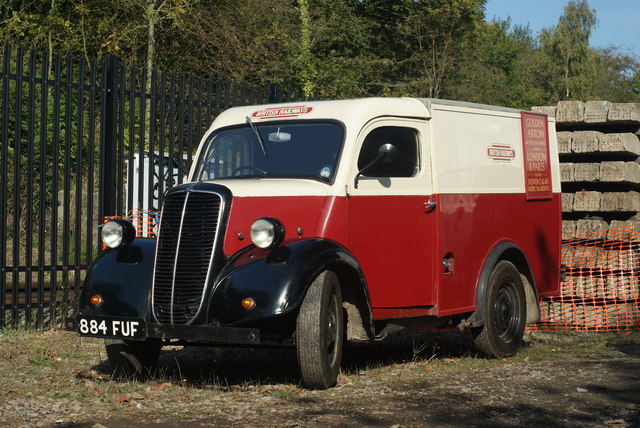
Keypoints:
pixel 123 279
pixel 276 280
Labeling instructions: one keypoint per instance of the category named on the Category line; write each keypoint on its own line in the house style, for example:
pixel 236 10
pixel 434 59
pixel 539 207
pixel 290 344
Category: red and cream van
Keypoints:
pixel 311 223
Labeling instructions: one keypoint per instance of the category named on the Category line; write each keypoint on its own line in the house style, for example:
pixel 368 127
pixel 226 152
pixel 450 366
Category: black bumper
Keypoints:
pixel 205 333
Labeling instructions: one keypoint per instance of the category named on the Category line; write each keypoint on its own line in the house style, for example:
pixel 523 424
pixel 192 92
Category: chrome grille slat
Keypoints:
pixel 188 229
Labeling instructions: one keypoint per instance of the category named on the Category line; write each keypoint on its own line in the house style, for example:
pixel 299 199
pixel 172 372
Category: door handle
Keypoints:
pixel 430 206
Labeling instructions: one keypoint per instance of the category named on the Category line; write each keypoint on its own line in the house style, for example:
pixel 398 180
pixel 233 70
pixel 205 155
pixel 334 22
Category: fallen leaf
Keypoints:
pixel 122 399
pixel 160 386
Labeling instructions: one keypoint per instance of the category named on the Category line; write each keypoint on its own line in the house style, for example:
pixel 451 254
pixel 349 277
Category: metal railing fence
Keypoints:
pixel 84 139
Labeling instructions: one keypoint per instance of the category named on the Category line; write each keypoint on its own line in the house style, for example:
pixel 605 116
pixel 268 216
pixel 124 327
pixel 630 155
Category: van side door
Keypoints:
pixel 391 214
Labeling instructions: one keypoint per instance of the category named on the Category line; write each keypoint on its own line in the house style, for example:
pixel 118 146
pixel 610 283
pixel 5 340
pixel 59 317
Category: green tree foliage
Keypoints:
pixel 436 35
pixel 48 24
pixel 507 68
pixel 305 59
pixel 343 62
pixel 340 48
pixel 616 76
pixel 252 40
pixel 567 45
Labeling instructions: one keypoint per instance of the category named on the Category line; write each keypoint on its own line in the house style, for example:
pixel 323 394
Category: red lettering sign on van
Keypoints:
pixel 281 112
pixel 537 164
pixel 501 153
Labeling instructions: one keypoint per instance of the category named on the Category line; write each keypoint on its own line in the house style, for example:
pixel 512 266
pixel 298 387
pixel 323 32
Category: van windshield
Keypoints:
pixel 280 150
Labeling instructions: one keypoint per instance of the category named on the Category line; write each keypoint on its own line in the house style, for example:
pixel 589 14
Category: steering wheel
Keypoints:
pixel 250 168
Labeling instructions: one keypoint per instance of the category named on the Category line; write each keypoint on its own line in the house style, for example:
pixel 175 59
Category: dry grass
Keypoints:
pixel 63 377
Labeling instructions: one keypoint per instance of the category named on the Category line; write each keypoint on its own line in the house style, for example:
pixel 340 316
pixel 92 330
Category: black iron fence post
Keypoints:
pixel 108 143
pixel 4 153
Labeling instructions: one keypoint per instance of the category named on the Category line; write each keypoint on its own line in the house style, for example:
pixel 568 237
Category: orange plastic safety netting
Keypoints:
pixel 145 222
pixel 600 288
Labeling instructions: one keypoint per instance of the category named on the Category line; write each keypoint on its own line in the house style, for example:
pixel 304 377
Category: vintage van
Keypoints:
pixel 311 223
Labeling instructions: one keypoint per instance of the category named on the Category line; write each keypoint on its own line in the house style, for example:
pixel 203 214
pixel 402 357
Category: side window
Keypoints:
pixel 406 142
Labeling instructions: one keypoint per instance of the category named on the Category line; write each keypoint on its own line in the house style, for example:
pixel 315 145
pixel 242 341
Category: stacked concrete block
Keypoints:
pixel 624 113
pixel 587 201
pixel 564 142
pixel 590 225
pixel 596 111
pixel 599 164
pixel 567 202
pixel 620 172
pixel 620 202
pixel 569 228
pixel 585 141
pixel 620 143
pixel 586 172
pixel 567 172
pixel 570 112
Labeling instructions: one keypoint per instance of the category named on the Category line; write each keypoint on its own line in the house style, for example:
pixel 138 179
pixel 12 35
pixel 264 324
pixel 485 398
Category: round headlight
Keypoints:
pixel 266 232
pixel 116 233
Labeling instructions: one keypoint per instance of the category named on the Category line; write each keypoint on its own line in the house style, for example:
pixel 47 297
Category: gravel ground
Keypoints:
pixel 55 378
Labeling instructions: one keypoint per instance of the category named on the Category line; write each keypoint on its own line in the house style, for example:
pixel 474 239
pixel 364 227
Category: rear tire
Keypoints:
pixel 320 333
pixel 504 313
pixel 130 359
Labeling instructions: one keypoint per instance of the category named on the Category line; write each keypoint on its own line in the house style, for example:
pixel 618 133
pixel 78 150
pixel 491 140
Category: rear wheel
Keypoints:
pixel 133 359
pixel 505 313
pixel 320 333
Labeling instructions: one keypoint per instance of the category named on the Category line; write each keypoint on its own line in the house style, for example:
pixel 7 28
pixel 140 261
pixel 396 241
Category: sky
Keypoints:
pixel 618 20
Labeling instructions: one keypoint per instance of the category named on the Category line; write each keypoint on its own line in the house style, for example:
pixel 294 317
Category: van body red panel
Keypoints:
pixel 471 225
pixel 402 260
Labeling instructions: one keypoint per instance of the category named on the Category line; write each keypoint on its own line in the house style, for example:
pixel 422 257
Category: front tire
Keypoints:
pixel 505 313
pixel 130 359
pixel 320 333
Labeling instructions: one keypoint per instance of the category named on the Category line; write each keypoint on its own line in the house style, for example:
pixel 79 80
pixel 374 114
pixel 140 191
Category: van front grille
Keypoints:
pixel 188 228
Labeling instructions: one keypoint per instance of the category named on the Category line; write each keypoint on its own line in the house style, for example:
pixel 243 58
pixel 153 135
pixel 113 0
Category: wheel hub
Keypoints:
pixel 503 309
pixel 331 326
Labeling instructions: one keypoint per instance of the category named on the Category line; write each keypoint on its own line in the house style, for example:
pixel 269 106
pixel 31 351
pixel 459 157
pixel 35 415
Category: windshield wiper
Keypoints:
pixel 255 130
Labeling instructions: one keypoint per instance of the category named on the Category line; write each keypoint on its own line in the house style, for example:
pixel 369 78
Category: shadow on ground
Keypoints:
pixel 228 367
pixel 592 386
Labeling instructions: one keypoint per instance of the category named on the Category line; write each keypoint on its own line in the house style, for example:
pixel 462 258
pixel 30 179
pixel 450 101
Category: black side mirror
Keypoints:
pixel 387 153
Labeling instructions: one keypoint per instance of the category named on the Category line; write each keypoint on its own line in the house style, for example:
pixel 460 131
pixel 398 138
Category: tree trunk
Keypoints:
pixel 152 16
pixel 50 42
pixel 306 57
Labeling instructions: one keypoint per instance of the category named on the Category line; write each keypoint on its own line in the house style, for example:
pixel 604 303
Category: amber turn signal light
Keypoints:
pixel 95 300
pixel 248 303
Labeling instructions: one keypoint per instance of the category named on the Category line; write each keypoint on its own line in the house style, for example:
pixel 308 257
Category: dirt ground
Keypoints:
pixel 55 378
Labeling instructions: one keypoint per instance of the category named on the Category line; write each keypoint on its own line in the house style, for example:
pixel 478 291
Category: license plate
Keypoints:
pixel 119 328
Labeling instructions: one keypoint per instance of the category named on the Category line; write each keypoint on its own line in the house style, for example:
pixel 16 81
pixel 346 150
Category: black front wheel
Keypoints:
pixel 320 333
pixel 505 313
pixel 130 359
